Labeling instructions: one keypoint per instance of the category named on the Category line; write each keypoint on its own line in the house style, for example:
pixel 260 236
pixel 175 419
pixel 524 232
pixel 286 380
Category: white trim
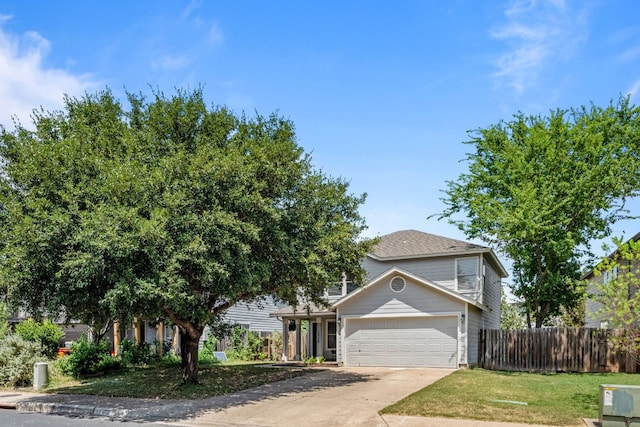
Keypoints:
pixel 463 336
pixel 419 280
pixel 404 284
pixel 345 318
pixel 326 335
pixel 455 272
pixel 401 316
pixel 500 270
pixel 433 255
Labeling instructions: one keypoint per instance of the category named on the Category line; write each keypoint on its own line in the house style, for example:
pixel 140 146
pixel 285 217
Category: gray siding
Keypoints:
pixel 474 324
pixel 441 270
pixel 591 317
pixel 256 315
pixel 491 297
pixel 380 300
pixel 415 299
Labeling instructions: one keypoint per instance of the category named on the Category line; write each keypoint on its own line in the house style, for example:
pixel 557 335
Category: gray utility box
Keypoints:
pixel 619 405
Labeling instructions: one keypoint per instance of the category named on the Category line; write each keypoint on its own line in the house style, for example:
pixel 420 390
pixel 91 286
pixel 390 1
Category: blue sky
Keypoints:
pixel 381 93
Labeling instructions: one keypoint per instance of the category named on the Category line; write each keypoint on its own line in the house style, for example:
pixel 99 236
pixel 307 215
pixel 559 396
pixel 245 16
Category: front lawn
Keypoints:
pixel 551 399
pixel 163 381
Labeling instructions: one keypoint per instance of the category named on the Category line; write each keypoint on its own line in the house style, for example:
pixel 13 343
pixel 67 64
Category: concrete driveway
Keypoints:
pixel 336 396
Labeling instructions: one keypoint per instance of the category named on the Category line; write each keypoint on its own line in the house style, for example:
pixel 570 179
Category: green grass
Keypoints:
pixel 551 399
pixel 164 381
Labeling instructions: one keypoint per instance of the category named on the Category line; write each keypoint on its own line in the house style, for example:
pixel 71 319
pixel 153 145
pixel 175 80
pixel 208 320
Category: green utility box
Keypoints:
pixel 619 405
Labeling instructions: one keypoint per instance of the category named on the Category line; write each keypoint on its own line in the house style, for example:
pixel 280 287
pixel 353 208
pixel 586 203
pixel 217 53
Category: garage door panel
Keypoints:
pixel 424 342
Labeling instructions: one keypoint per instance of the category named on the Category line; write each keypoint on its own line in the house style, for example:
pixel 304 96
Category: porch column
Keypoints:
pixel 285 339
pixel 160 338
pixel 116 338
pixel 320 338
pixel 137 331
pixel 176 341
pixel 298 340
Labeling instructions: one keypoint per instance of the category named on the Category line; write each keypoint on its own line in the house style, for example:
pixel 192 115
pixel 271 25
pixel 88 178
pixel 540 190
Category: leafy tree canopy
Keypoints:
pixel 167 209
pixel 510 317
pixel 539 189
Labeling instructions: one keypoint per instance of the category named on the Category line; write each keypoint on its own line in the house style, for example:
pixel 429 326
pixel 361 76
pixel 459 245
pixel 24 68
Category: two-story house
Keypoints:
pixel 425 299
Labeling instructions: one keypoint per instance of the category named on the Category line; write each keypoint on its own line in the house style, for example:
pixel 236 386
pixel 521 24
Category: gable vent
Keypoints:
pixel 397 284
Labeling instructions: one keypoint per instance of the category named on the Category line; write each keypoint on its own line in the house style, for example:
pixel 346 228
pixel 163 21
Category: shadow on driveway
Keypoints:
pixel 174 410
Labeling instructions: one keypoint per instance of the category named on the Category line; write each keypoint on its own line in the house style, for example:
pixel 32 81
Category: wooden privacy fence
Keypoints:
pixel 553 350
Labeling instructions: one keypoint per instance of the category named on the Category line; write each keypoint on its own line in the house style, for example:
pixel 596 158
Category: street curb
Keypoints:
pixel 153 413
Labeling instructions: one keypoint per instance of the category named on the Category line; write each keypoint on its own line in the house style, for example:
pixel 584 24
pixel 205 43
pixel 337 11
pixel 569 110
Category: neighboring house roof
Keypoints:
pixel 395 271
pixel 590 273
pixel 302 310
pixel 407 244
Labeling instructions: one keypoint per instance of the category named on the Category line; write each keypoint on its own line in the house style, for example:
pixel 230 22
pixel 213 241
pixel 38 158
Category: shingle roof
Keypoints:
pixel 413 243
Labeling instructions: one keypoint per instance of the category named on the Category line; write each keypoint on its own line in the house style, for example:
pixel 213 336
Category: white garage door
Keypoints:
pixel 420 342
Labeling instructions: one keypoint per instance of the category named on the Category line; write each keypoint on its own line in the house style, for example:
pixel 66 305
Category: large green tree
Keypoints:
pixel 168 209
pixel 540 189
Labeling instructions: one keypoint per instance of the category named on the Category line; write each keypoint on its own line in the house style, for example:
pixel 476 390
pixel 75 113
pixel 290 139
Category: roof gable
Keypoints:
pixel 395 271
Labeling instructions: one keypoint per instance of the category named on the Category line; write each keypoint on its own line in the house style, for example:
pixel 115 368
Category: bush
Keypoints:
pixel 17 357
pixel 208 348
pixel 247 345
pixel 88 358
pixel 45 333
pixel 276 344
pixel 4 317
pixel 132 354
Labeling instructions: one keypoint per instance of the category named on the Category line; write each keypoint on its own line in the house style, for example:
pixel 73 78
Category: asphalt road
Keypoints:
pixel 12 418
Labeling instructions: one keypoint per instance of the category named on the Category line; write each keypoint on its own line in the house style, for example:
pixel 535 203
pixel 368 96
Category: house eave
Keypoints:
pixel 591 272
pixel 501 270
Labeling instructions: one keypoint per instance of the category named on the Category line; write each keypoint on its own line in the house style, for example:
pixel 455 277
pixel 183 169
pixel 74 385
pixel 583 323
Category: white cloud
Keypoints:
pixel 168 62
pixel 634 89
pixel 215 34
pixel 537 33
pixel 27 83
pixel 629 55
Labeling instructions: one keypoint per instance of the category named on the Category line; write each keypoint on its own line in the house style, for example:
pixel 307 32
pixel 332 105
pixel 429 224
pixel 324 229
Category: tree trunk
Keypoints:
pixel 189 344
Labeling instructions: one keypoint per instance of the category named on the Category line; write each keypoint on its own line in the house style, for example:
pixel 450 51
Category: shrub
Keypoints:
pixel 132 354
pixel 208 348
pixel 276 344
pixel 247 345
pixel 45 332
pixel 17 357
pixel 4 317
pixel 88 358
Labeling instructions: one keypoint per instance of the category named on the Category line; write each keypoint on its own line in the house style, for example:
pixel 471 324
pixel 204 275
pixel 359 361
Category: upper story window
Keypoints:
pixel 467 274
pixel 610 275
pixel 351 287
pixel 341 288
pixel 335 290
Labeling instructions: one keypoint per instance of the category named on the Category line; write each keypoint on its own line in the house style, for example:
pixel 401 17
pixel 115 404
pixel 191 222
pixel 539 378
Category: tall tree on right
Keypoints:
pixel 540 189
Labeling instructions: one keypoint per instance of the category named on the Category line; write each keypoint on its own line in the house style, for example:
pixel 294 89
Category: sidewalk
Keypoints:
pixel 346 397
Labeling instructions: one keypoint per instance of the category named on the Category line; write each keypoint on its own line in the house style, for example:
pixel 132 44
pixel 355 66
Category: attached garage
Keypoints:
pixel 403 341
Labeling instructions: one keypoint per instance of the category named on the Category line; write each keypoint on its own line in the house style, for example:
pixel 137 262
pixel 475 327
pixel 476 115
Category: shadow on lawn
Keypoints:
pixel 173 410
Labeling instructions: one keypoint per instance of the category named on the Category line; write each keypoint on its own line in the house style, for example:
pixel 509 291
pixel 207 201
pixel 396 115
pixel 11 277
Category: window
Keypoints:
pixel 610 275
pixel 331 335
pixel 397 284
pixel 335 290
pixel 467 274
pixel 351 287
